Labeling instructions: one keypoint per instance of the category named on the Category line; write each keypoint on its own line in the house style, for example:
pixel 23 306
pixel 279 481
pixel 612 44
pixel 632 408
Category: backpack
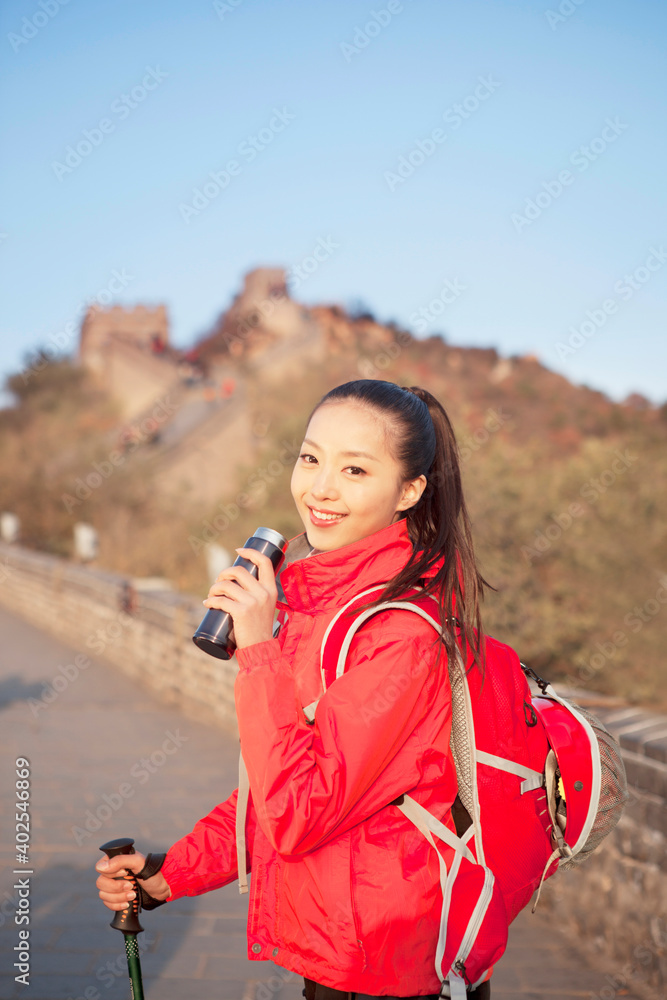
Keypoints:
pixel 542 783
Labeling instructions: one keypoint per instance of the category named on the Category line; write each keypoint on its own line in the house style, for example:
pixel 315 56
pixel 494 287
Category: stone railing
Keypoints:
pixel 147 633
pixel 615 903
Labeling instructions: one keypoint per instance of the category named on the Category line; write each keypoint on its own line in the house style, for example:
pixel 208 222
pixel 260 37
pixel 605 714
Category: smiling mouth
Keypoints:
pixel 321 516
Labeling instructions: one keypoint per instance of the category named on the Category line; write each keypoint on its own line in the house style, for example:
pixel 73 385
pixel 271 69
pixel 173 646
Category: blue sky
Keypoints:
pixel 335 96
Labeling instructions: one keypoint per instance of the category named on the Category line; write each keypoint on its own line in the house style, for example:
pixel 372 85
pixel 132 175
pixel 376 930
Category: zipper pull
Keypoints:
pixel 459 967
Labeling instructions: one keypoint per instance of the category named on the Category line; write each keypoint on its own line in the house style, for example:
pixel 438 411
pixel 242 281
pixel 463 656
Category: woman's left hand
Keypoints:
pixel 250 602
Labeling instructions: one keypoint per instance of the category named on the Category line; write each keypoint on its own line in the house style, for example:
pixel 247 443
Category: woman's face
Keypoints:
pixel 364 492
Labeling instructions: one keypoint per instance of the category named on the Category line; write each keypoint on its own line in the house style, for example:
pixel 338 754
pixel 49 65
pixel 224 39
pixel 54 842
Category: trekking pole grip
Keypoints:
pixel 126 920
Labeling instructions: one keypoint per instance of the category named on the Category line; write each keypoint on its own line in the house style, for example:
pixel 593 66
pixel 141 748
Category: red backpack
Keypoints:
pixel 542 782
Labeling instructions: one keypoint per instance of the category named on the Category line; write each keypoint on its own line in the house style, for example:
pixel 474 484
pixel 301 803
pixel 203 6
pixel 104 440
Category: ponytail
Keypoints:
pixel 438 524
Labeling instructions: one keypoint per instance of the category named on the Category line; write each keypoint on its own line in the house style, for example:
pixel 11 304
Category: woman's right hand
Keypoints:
pixel 117 895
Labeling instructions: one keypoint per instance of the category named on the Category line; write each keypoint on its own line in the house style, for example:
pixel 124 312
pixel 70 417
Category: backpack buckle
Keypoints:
pixel 529 672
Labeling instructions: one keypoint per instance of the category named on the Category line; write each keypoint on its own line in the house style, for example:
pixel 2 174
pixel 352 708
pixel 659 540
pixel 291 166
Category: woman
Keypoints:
pixel 344 890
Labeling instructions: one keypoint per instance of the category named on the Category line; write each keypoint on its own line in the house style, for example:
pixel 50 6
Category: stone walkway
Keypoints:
pixel 87 742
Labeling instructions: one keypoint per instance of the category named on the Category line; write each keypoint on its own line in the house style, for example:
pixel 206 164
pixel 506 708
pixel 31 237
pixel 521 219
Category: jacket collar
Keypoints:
pixel 311 580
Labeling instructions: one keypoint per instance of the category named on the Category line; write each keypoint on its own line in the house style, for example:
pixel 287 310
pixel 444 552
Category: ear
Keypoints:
pixel 412 492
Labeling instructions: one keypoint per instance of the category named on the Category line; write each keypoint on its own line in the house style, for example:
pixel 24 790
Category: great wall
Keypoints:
pixel 204 422
pixel 190 413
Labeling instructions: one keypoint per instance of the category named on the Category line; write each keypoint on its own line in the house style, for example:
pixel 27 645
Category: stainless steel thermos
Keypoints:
pixel 215 634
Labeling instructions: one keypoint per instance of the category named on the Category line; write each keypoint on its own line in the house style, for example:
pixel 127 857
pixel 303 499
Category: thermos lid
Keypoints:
pixel 271 536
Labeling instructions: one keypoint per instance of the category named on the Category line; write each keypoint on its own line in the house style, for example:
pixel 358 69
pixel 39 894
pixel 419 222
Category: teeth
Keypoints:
pixel 326 517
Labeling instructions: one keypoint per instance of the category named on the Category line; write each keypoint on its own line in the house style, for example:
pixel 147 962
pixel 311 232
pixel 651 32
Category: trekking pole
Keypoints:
pixel 127 920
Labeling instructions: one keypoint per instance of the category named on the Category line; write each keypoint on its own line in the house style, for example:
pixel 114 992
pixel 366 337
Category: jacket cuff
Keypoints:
pixel 177 880
pixel 258 653
pixel 184 882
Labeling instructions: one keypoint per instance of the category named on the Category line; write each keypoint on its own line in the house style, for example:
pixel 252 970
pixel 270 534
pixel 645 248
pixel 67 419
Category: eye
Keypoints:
pixel 353 468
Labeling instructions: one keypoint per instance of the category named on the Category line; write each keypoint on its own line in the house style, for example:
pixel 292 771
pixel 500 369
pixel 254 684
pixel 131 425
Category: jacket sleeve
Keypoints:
pixel 205 859
pixel 311 780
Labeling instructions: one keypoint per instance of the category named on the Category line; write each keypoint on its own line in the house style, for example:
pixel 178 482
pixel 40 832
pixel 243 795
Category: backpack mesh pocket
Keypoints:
pixel 613 790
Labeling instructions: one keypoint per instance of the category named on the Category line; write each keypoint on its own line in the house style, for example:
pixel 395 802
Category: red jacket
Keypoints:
pixel 344 890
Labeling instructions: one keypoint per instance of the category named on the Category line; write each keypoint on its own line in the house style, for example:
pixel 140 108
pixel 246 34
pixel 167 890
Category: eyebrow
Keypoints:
pixel 354 454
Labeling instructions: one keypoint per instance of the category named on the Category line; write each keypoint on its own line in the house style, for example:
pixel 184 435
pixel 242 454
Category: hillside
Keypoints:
pixel 565 487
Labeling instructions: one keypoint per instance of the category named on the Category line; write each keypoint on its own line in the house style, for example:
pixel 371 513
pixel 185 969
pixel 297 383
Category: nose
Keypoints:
pixel 324 486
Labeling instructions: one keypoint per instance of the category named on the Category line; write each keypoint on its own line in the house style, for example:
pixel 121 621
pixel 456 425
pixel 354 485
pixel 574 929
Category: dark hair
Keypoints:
pixel 423 443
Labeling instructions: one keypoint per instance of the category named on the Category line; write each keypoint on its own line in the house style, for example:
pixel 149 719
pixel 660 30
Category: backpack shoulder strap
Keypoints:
pixel 335 635
pixel 331 643
pixel 333 657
